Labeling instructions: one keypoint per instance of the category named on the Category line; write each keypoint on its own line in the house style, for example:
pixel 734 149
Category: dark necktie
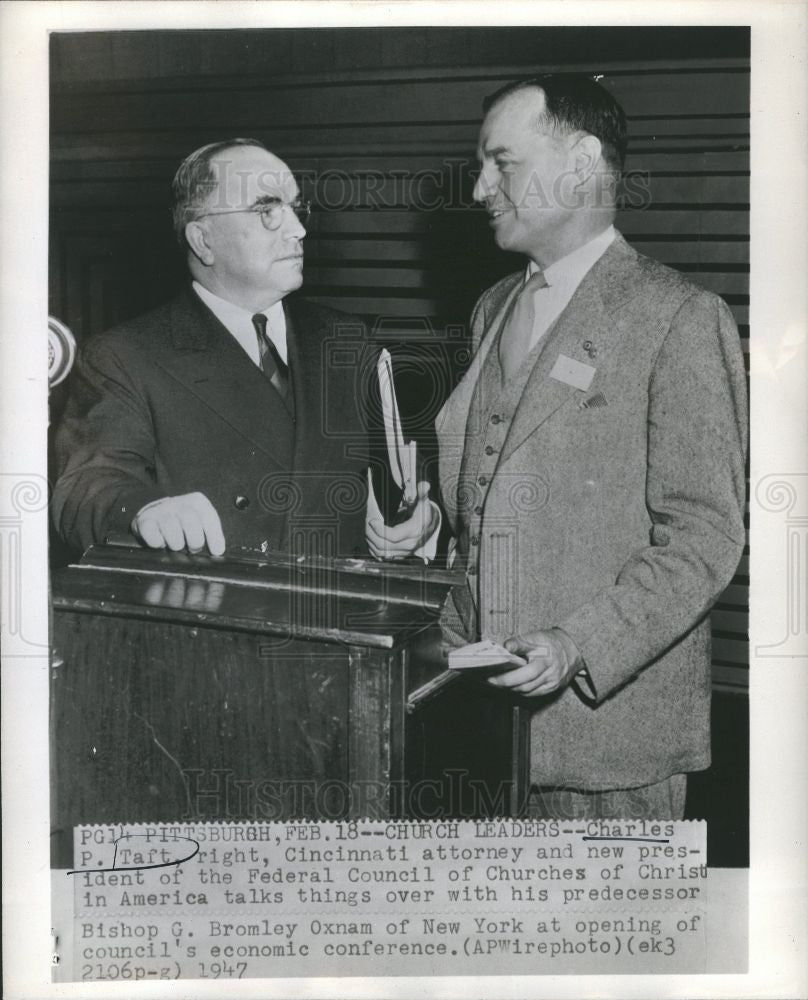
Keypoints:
pixel 270 362
pixel 514 344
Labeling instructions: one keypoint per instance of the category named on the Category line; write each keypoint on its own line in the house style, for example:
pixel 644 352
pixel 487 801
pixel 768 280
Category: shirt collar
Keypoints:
pixel 571 270
pixel 238 321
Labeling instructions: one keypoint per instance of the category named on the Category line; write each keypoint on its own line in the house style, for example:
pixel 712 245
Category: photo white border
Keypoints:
pixel 779 352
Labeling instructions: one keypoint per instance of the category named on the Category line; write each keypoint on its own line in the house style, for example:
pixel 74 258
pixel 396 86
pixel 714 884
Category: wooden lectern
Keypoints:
pixel 199 688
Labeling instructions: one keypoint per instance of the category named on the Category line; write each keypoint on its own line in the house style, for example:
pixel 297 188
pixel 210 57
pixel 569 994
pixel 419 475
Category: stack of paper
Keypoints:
pixel 402 456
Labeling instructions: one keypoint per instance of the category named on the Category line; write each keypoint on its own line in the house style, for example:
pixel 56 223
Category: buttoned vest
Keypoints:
pixel 490 416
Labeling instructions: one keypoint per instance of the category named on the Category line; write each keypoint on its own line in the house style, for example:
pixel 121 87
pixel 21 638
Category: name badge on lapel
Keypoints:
pixel 572 372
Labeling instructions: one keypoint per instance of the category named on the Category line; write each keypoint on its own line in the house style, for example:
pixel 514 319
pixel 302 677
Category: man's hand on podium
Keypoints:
pixel 188 521
pixel 406 539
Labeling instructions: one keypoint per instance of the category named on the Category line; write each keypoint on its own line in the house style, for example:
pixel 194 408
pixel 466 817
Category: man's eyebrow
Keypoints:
pixel 496 151
pixel 274 199
pixel 266 199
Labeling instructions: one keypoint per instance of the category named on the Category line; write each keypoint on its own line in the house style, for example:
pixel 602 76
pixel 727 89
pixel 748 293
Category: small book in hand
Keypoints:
pixel 483 654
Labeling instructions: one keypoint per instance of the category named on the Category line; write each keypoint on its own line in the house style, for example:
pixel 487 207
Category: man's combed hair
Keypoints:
pixel 576 103
pixel 195 180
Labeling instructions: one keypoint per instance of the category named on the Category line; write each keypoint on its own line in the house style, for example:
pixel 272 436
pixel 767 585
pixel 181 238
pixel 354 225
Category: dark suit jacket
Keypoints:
pixel 620 522
pixel 169 404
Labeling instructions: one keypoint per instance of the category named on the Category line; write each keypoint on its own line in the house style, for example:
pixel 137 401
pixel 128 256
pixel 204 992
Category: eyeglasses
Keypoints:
pixel 270 212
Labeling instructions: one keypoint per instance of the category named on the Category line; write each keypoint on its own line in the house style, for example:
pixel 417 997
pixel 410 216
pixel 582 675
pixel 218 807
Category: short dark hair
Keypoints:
pixel 195 180
pixel 577 103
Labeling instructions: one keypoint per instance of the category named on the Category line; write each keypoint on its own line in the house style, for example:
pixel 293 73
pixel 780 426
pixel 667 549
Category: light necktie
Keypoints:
pixel 270 362
pixel 514 343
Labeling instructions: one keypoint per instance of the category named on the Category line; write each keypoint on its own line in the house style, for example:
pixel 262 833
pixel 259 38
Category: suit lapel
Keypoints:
pixel 583 319
pixel 208 362
pixel 586 319
pixel 305 335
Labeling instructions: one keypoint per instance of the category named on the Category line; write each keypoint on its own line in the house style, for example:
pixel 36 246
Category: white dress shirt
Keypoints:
pixel 238 322
pixel 563 278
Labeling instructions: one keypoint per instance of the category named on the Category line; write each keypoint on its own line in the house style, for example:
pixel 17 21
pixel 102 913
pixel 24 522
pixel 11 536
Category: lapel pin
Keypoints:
pixel 590 349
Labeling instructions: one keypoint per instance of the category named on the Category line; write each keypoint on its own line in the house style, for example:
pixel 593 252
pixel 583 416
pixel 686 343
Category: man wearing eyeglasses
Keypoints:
pixel 204 424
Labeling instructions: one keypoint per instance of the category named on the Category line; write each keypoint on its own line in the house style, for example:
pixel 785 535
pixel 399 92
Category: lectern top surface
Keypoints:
pixel 345 601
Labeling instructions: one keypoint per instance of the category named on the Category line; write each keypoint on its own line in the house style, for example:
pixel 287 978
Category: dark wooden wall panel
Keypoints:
pixel 382 126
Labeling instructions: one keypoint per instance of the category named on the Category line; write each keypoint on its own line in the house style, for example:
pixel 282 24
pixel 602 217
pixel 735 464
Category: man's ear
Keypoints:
pixel 587 153
pixel 197 239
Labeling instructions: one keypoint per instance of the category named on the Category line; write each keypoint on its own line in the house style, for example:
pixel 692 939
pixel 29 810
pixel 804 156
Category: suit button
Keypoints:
pixel 489 450
pixel 483 480
pixel 478 510
pixel 495 418
pixel 475 540
pixel 241 503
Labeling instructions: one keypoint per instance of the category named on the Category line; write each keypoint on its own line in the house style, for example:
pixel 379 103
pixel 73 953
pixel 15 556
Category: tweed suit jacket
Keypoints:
pixel 169 403
pixel 620 522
